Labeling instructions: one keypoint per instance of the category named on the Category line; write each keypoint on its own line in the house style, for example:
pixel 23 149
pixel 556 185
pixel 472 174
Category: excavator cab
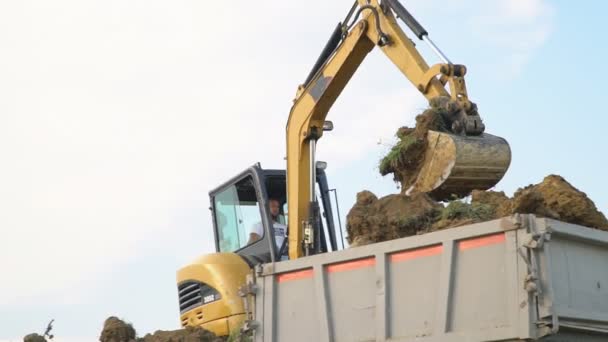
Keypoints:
pixel 208 288
pixel 242 203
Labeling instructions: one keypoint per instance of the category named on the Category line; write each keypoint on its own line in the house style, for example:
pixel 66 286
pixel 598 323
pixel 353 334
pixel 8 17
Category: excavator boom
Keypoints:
pixel 456 162
pixel 216 291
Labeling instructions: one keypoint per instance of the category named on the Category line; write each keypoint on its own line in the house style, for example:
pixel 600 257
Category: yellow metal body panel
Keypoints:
pixel 314 100
pixel 225 326
pixel 218 327
pixel 225 272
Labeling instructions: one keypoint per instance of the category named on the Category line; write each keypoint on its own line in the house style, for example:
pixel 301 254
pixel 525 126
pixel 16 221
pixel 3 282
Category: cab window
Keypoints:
pixel 237 214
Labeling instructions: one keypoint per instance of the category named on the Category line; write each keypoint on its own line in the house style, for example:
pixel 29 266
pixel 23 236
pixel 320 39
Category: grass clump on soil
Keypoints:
pixel 458 213
pixel 411 225
pixel 404 160
pixel 397 157
pixel 461 210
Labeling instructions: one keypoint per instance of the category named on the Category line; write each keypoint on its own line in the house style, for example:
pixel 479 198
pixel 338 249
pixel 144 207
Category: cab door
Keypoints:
pixel 239 209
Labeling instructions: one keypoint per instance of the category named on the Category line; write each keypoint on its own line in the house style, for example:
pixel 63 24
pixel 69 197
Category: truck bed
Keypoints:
pixel 514 279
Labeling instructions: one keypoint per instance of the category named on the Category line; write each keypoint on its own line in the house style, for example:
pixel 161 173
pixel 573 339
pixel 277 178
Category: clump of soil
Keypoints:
pixel 34 338
pixel 394 216
pixel 116 330
pixel 406 158
pixel 184 335
pixel 374 220
pixel 558 199
pixel 498 201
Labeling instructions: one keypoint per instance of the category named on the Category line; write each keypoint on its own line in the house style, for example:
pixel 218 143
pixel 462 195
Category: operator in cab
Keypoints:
pixel 280 230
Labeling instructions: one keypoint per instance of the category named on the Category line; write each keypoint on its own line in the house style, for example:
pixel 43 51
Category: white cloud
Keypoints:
pixel 494 34
pixel 511 31
pixel 529 10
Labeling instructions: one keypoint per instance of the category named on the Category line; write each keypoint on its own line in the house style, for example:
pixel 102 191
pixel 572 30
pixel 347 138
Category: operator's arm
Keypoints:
pixel 255 233
pixel 253 237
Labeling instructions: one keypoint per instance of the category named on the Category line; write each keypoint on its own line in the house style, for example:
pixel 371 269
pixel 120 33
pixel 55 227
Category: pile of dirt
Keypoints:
pixel 394 216
pixel 116 330
pixel 34 338
pixel 555 198
pixel 184 335
pixel 406 158
pixel 374 220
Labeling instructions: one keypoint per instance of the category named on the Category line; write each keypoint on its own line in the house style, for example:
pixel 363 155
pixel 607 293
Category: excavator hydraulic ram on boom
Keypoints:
pixel 456 161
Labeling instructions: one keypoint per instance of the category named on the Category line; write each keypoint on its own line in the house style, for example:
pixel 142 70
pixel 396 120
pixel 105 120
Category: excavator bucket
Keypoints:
pixel 455 165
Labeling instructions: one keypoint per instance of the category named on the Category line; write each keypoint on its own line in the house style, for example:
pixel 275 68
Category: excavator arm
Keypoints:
pixel 307 120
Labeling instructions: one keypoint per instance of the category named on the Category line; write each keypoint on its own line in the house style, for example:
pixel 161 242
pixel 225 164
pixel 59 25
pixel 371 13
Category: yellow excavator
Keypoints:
pixel 456 162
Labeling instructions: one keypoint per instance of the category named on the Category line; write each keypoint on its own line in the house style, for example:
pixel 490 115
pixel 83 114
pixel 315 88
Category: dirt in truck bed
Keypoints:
pixel 374 220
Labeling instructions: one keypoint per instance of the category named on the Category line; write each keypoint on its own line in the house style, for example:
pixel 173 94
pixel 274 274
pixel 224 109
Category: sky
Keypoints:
pixel 118 117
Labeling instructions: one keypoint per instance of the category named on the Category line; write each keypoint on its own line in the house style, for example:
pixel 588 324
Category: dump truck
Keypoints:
pixel 277 271
pixel 519 278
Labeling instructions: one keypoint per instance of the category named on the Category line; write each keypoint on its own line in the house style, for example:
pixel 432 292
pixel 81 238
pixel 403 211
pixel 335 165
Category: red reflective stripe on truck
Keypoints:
pixel 294 275
pixel 481 241
pixel 416 253
pixel 351 265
